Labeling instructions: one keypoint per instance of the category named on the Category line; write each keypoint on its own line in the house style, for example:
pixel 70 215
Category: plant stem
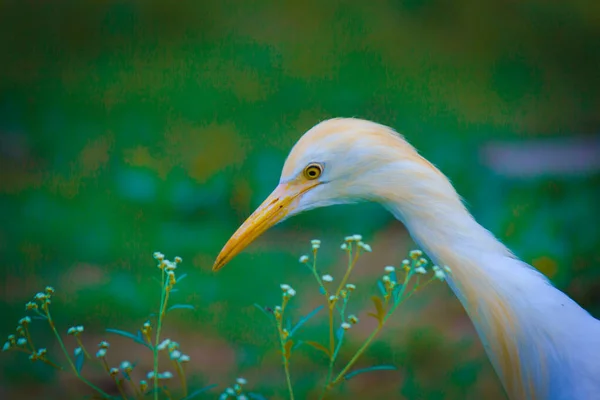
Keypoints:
pixel 28 336
pixel 119 384
pixel 87 355
pixel 351 264
pixel 163 298
pixel 181 374
pixel 366 344
pixel 64 349
pixel 282 341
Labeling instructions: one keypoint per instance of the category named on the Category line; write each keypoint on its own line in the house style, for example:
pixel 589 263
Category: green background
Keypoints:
pixel 134 127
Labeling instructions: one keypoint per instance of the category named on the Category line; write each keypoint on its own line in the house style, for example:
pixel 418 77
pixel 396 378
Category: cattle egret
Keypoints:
pixel 541 343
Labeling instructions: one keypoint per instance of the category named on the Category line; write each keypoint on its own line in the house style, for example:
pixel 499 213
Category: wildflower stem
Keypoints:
pixel 351 264
pixel 28 336
pixel 87 355
pixel 284 353
pixel 50 363
pixel 366 344
pixel 135 387
pixel 331 333
pixel 181 374
pixel 105 365
pixel 64 349
pixel 163 301
pixel 119 383
pixel 355 357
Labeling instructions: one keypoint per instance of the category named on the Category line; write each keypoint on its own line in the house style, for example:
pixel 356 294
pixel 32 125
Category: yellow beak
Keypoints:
pixel 274 209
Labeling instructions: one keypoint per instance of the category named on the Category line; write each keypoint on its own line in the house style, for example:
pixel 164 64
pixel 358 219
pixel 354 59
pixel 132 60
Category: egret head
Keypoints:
pixel 338 161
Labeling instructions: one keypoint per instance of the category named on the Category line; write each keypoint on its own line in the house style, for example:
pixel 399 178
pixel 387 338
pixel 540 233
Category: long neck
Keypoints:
pixel 540 342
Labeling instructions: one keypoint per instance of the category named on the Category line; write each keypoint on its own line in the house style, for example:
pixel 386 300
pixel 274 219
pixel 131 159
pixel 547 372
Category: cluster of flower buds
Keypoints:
pixel 43 299
pixel 440 273
pixel 288 291
pixel 38 355
pixel 104 345
pixel 168 266
pixel 75 330
pixel 236 391
pixel 349 240
pixel 160 375
pixel 147 330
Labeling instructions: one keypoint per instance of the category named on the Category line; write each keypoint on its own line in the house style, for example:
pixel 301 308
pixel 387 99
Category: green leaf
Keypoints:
pixel 319 347
pixel 183 306
pixel 256 396
pixel 374 368
pixel 339 333
pixel 379 306
pixel 381 288
pixel 199 391
pixel 79 359
pixel 181 277
pixel 298 344
pixel 305 318
pixel 138 339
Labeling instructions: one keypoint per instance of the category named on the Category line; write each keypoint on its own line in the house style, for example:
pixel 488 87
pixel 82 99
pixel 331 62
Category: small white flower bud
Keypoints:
pixel 241 381
pixel 350 287
pixel 346 326
pixel 101 353
pixel 184 358
pixel 420 270
pixel 357 238
pixel 364 246
pixel 303 259
pixel 414 254
pixel 327 278
pixel 291 292
pixel 344 246
pixel 21 342
pixel 165 375
pixel 390 268
pixel 285 287
pixel 158 256
pixel 163 345
pixel 175 355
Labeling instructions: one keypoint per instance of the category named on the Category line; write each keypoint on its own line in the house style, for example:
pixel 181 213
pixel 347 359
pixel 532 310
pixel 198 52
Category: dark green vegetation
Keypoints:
pixel 131 127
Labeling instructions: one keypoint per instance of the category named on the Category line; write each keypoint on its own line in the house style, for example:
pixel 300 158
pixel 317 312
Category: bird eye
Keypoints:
pixel 313 171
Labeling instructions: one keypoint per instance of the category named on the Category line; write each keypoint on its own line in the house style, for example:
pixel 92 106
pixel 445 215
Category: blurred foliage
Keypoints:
pixel 132 126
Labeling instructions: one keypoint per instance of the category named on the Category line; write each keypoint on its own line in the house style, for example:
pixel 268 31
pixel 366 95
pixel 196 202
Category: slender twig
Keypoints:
pixel 366 344
pixel 181 374
pixel 163 296
pixel 282 342
pixel 64 349
pixel 87 355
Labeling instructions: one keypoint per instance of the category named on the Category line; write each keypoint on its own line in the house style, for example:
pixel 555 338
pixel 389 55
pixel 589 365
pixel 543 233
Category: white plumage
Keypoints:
pixel 541 343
